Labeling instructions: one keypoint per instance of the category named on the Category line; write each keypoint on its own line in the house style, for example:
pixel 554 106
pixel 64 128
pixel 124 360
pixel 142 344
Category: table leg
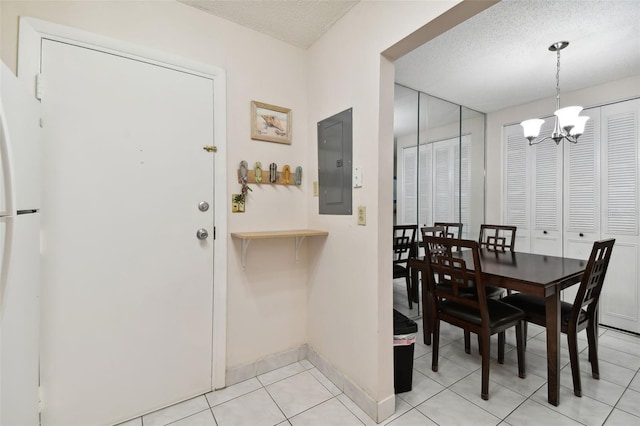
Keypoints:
pixel 552 304
pixel 427 322
pixel 414 285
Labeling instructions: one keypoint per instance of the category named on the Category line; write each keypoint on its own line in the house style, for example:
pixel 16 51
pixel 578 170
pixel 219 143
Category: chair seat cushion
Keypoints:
pixel 399 271
pixel 500 314
pixel 534 308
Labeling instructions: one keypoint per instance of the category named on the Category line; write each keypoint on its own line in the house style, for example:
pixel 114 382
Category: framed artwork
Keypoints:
pixel 270 123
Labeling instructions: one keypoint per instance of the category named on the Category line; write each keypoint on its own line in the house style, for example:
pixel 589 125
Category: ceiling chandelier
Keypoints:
pixel 569 124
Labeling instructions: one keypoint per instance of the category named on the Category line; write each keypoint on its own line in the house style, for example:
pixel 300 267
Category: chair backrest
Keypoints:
pixel 451 229
pixel 445 266
pixel 592 280
pixel 404 242
pixel 431 231
pixel 497 237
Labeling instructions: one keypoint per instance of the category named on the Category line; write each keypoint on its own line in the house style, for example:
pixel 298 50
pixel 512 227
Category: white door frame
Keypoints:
pixel 31 33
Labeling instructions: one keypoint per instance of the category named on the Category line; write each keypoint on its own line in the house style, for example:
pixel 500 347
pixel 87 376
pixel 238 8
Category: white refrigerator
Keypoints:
pixel 20 251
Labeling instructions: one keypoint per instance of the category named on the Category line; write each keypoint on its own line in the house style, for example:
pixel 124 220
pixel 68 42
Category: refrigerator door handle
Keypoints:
pixel 10 202
pixel 7 165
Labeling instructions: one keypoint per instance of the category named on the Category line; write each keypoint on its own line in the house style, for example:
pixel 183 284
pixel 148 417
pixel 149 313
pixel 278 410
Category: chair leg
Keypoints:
pixel 467 342
pixel 572 340
pixel 520 348
pixel 479 345
pixel 485 365
pixel 592 339
pixel 435 344
pixel 427 314
pixel 501 338
pixel 409 295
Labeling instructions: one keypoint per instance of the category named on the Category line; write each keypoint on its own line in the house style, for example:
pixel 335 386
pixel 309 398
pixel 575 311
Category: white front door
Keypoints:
pixel 127 286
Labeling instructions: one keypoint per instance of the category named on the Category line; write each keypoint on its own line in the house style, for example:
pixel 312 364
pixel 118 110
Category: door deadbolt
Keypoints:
pixel 202 234
pixel 203 206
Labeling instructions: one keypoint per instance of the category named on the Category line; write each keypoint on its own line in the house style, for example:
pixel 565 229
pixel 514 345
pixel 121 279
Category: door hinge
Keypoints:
pixel 214 232
pixel 39 86
pixel 210 148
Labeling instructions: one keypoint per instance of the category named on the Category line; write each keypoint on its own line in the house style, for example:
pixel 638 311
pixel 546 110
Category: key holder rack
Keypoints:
pixel 251 178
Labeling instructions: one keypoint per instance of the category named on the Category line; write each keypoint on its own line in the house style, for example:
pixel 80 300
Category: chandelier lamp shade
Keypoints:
pixel 569 123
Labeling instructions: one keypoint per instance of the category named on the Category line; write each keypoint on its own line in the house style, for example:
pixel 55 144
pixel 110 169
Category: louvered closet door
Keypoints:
pixel 546 202
pixel 425 185
pixel 516 193
pixel 620 301
pixel 408 206
pixel 461 185
pixel 448 196
pixel 582 193
pixel 443 178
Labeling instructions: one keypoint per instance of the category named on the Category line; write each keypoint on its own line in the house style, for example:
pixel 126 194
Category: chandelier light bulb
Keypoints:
pixel 532 127
pixel 578 128
pixel 568 116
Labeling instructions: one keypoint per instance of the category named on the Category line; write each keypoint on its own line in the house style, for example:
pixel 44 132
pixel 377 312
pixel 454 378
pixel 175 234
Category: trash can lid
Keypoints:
pixel 402 324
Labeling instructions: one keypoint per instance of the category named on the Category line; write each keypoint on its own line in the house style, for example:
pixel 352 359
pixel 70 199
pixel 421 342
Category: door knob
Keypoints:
pixel 203 206
pixel 202 234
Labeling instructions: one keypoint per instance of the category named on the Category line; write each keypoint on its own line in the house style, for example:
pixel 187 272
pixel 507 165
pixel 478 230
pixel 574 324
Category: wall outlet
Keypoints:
pixel 315 188
pixel 362 215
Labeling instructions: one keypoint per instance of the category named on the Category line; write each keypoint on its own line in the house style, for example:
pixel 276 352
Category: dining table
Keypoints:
pixel 535 274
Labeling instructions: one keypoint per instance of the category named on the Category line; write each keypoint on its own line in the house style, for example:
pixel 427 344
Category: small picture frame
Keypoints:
pixel 270 123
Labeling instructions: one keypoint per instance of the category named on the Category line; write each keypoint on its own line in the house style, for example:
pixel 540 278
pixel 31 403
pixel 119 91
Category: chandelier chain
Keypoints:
pixel 558 78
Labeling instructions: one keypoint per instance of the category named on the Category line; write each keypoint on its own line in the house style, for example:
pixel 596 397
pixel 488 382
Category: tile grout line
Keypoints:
pixel 621 395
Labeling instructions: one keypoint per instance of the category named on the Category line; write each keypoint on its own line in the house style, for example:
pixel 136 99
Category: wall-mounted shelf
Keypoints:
pixel 298 234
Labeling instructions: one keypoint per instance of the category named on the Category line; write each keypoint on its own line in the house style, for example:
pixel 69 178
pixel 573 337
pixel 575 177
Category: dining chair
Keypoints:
pixel 492 292
pixel 581 315
pixel 479 315
pixel 432 231
pixel 404 248
pixel 494 237
pixel 428 231
pixel 451 229
pixel 497 237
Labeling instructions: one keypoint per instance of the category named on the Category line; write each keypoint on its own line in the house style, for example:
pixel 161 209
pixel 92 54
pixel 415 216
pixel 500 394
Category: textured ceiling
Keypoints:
pixel 296 22
pixel 500 57
pixel 495 60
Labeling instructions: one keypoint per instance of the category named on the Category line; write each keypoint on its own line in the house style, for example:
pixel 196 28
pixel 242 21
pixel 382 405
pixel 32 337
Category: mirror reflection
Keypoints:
pixel 438 179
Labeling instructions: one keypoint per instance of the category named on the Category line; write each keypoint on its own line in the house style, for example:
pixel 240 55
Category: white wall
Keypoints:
pixel 350 288
pixel 338 298
pixel 266 303
pixel 605 93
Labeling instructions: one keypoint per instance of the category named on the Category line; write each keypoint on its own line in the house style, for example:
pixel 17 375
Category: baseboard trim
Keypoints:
pixel 264 365
pixel 376 410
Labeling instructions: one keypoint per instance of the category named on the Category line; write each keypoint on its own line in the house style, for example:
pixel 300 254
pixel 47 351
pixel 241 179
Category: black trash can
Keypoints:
pixel 404 339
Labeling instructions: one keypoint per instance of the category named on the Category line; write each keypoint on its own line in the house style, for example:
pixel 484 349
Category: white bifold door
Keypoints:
pixel 127 285
pixel 565 197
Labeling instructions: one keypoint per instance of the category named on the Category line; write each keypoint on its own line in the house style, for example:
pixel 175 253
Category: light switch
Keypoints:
pixel 362 215
pixel 357 177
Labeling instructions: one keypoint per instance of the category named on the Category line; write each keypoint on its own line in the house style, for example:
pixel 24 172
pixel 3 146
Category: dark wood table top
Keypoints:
pixel 528 272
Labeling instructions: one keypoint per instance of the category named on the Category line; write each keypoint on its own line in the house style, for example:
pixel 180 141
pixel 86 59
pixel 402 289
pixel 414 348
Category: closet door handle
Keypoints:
pixel 544 232
pixel 581 234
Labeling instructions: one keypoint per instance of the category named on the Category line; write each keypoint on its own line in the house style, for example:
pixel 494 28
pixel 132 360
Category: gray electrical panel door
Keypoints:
pixel 335 146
